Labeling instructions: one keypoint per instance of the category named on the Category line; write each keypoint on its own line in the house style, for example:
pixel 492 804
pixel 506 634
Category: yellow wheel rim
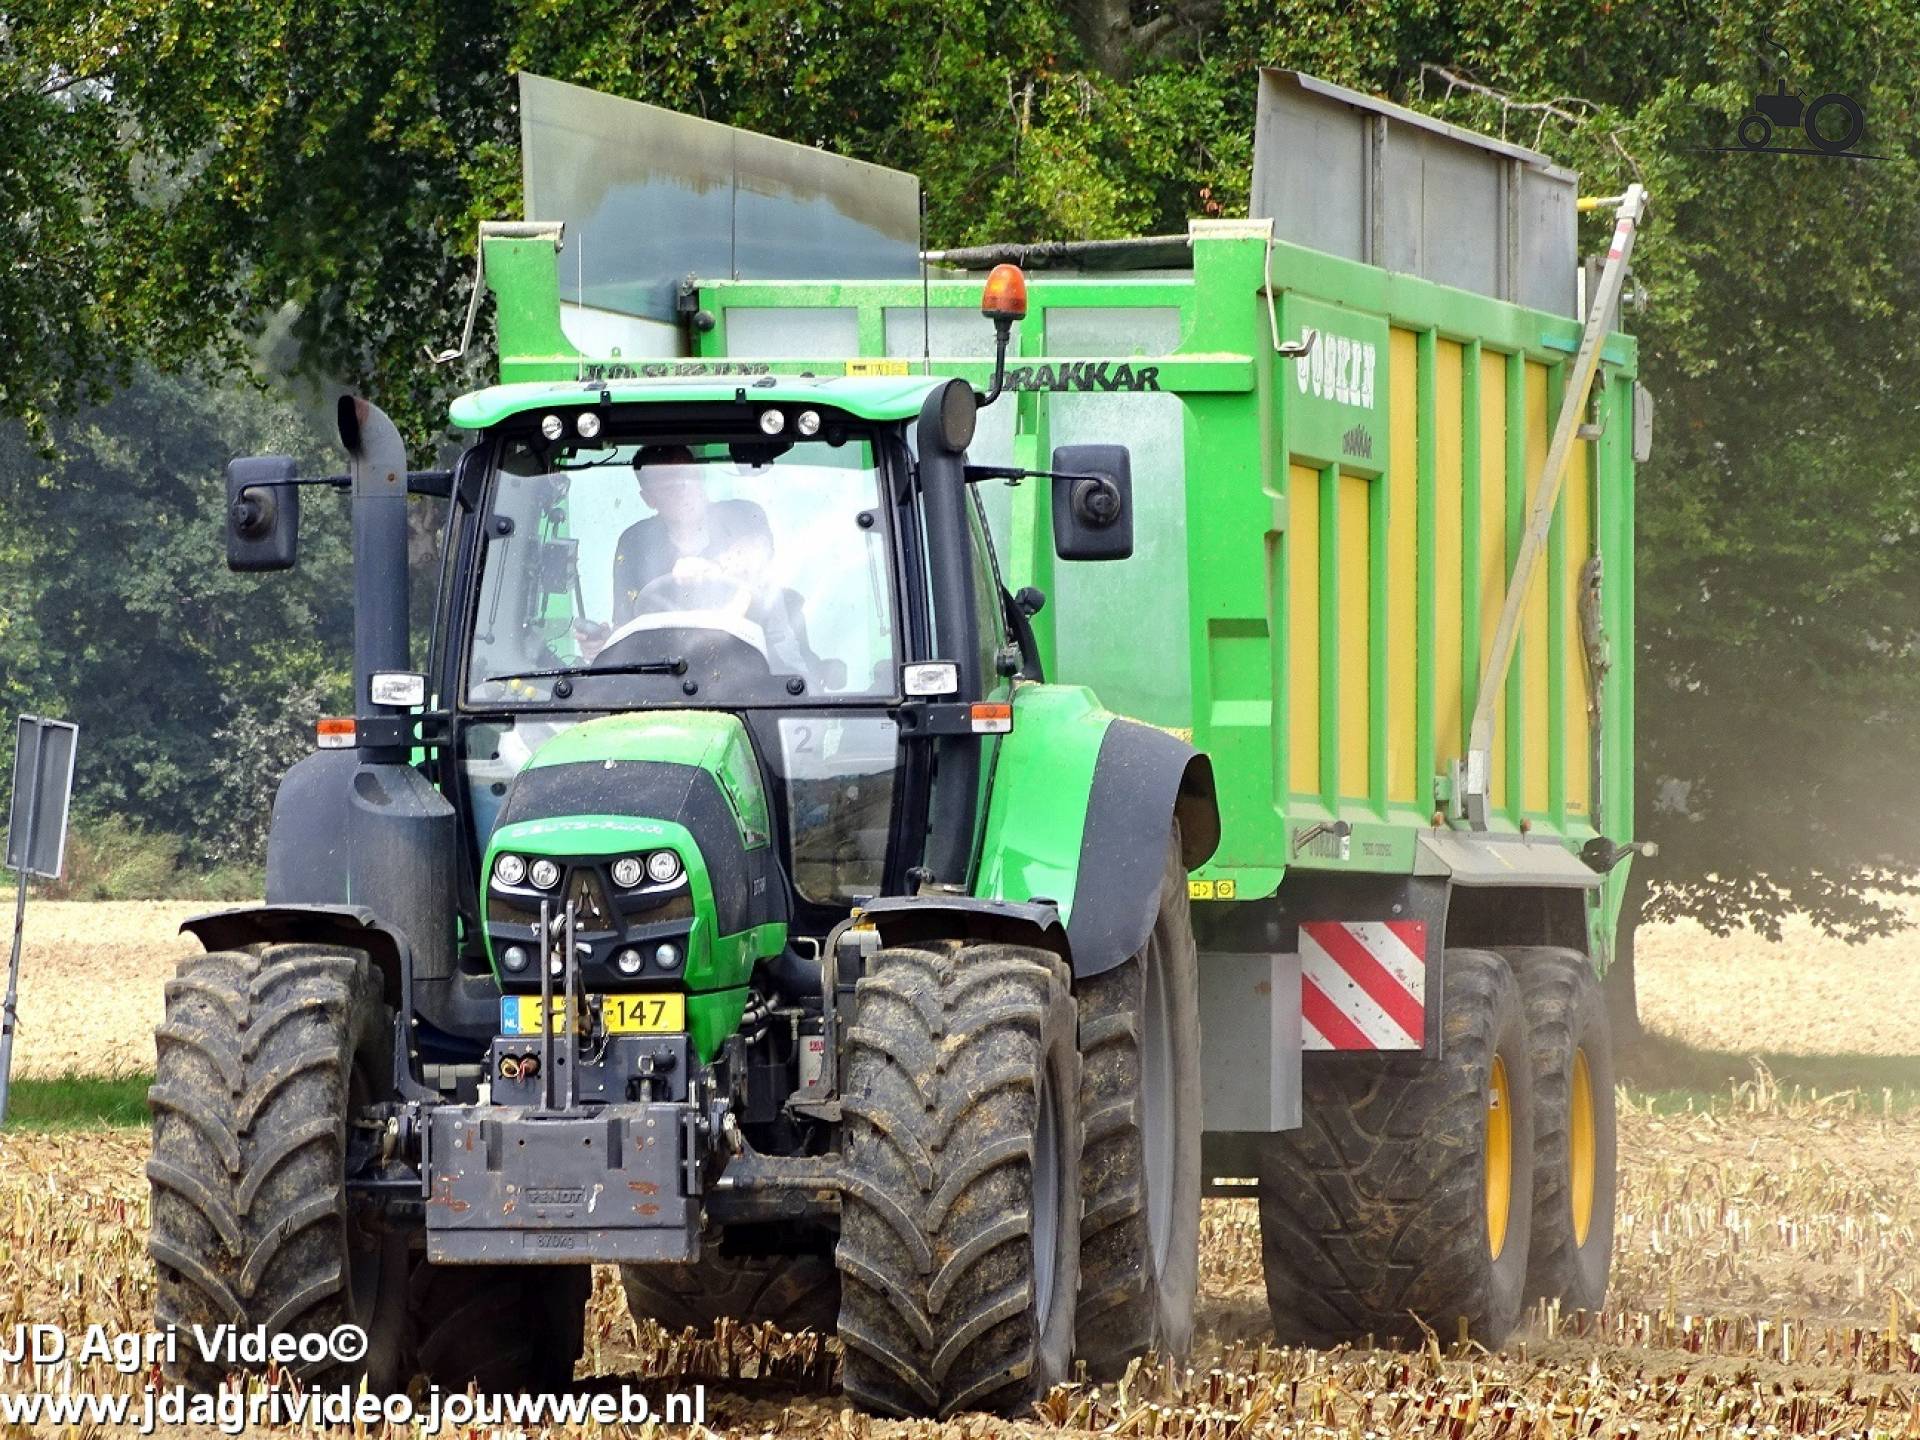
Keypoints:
pixel 1580 1147
pixel 1499 1156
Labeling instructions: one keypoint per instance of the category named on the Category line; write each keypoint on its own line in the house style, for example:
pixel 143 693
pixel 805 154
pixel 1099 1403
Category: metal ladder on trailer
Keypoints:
pixel 1473 773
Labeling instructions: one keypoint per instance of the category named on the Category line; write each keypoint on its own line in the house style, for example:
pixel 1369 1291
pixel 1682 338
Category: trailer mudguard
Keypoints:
pixel 1082 803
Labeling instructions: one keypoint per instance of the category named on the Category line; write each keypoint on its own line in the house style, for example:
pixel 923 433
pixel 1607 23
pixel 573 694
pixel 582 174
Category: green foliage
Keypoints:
pixel 110 858
pixel 189 176
pixel 117 610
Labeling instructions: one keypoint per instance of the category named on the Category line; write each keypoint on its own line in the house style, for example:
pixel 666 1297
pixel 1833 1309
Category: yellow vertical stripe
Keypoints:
pixel 1303 628
pixel 1403 481
pixel 1356 621
pixel 1533 657
pixel 1446 481
pixel 1577 512
pixel 1493 543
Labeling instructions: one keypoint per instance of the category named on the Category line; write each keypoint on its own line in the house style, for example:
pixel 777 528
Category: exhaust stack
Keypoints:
pixel 377 471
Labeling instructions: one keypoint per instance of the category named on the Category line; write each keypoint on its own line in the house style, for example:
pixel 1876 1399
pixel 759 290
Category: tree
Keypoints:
pixel 321 169
pixel 117 610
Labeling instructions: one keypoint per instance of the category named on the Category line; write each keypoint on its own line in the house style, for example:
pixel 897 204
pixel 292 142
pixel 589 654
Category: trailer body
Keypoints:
pixel 1323 545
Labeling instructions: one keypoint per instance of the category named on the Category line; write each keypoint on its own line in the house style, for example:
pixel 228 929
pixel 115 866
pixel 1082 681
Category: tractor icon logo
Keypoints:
pixel 1833 123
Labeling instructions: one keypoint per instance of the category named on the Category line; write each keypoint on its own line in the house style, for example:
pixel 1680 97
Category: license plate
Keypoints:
pixel 662 1014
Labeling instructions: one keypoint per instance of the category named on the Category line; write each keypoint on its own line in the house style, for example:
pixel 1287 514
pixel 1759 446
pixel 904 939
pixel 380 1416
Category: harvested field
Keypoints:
pixel 1767 1271
pixel 90 987
pixel 1804 994
pixel 90 983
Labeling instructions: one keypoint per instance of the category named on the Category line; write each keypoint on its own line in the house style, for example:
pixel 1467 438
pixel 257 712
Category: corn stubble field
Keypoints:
pixel 1766 1279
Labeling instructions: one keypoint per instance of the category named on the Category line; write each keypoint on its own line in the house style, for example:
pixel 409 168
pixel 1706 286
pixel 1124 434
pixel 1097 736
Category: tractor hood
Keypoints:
pixel 644 786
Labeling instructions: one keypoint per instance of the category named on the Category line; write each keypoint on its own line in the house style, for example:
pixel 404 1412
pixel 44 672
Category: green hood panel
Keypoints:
pixel 706 739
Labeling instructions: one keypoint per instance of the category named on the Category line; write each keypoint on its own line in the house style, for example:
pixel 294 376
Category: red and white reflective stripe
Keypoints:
pixel 1621 230
pixel 1363 984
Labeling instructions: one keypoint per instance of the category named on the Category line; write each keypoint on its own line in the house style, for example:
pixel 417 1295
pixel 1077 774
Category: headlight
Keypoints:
pixel 772 422
pixel 514 957
pixel 667 956
pixel 808 422
pixel 628 871
pixel 628 962
pixel 509 870
pixel 552 426
pixel 662 866
pixel 588 424
pixel 544 874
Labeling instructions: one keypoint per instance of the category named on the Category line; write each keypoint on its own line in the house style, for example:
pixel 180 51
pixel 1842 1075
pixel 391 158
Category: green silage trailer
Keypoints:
pixel 1176 736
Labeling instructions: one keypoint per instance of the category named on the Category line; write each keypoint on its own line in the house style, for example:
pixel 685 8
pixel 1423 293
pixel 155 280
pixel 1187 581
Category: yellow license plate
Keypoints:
pixel 621 1014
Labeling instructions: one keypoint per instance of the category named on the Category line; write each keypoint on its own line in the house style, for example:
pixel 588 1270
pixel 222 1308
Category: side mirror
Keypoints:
pixel 1092 502
pixel 263 513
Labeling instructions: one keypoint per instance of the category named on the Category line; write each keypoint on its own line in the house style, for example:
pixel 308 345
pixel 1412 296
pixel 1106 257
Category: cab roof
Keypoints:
pixel 869 397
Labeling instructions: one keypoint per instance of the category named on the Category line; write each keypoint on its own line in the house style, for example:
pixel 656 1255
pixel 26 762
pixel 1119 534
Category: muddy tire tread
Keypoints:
pixel 1371 1212
pixel 937 1296
pixel 248 1106
pixel 1127 1309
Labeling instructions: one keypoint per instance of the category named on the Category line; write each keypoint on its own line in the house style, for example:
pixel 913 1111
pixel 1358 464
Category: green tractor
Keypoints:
pixel 728 897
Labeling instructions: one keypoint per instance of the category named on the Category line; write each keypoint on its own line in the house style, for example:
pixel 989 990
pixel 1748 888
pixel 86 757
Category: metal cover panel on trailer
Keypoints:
pixel 1353 176
pixel 650 197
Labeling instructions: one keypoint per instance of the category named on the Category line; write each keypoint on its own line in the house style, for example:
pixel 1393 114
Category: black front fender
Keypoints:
pixel 913 919
pixel 1143 782
pixel 345 927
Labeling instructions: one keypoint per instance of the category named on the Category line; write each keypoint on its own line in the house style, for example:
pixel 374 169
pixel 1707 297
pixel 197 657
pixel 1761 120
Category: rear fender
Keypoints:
pixel 1081 807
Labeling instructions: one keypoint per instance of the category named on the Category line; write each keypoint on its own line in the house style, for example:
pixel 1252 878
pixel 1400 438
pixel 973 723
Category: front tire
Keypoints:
pixel 503 1329
pixel 1575 1141
pixel 794 1292
pixel 1140 1174
pixel 1408 1189
pixel 264 1062
pixel 959 1235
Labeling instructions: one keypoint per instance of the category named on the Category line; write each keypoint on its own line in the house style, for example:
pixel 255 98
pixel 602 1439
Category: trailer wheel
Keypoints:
pixel 263 1064
pixel 1140 1171
pixel 1408 1189
pixel 503 1329
pixel 795 1292
pixel 959 1234
pixel 1575 1143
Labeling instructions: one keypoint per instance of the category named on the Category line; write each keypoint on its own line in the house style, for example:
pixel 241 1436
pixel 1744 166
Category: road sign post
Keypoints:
pixel 43 753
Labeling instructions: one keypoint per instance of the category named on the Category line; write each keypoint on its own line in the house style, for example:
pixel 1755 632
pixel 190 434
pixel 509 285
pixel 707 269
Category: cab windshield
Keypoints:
pixel 684 574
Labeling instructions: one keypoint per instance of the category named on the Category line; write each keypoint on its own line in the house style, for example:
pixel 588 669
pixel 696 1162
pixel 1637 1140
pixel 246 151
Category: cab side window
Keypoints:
pixel 987 599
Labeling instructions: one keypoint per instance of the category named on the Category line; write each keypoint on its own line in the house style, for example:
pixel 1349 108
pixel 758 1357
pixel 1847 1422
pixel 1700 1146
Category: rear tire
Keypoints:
pixel 1575 1142
pixel 1387 1203
pixel 794 1292
pixel 1140 1174
pixel 503 1329
pixel 959 1235
pixel 262 1063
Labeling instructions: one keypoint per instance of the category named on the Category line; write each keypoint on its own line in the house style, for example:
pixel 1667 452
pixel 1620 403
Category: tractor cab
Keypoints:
pixel 697 694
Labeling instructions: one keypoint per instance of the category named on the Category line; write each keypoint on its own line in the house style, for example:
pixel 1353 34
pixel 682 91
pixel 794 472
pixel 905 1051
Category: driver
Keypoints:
pixel 685 536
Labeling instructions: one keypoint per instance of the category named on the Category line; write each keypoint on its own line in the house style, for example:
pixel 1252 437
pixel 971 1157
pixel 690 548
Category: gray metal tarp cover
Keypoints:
pixel 650 196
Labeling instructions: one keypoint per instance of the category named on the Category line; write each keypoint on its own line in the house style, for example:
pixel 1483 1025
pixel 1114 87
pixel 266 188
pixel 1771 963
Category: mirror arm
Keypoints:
pixel 438 483
pixel 1014 474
